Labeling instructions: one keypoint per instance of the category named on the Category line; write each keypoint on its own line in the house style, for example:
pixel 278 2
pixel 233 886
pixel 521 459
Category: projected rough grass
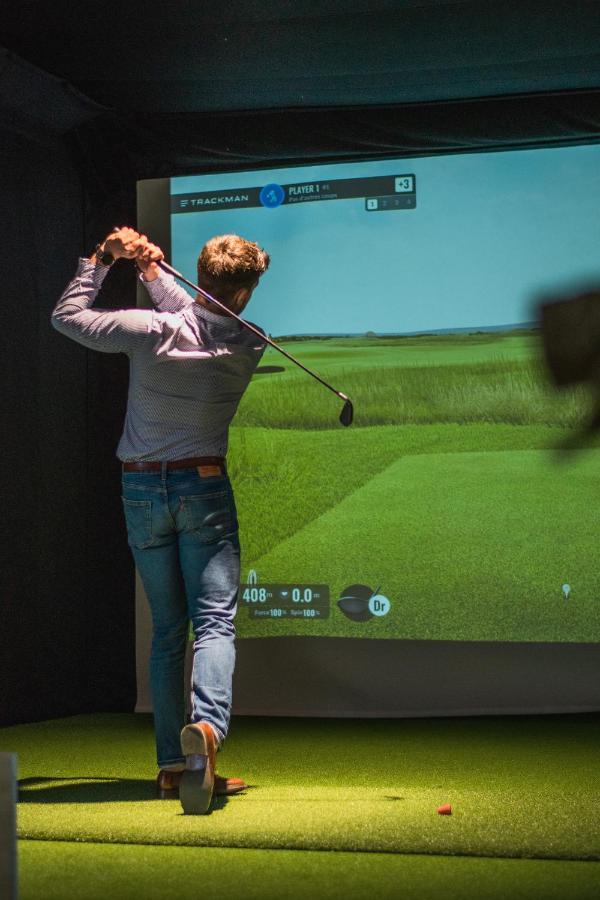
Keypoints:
pixel 444 494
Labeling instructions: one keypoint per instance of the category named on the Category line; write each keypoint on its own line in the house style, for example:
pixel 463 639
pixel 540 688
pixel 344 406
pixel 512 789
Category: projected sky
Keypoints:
pixel 489 232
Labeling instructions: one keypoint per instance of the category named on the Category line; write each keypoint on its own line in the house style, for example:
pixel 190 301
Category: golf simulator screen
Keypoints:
pixel 411 286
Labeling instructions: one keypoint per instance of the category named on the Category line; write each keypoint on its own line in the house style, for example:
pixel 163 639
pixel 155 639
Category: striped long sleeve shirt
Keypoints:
pixel 188 366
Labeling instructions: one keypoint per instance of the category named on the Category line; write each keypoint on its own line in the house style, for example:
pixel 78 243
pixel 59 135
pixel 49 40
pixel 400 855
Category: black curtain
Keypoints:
pixel 67 596
pixel 110 147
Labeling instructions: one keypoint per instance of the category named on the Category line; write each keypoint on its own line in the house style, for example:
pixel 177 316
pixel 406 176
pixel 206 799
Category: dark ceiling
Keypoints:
pixel 186 57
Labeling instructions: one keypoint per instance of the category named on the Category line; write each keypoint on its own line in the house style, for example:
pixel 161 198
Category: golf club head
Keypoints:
pixel 347 413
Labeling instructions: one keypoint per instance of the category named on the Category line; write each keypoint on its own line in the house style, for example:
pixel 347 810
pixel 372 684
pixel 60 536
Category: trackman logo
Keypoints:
pixel 359 603
pixel 215 200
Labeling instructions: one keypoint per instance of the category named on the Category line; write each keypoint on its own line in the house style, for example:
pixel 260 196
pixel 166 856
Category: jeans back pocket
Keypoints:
pixel 209 517
pixel 138 518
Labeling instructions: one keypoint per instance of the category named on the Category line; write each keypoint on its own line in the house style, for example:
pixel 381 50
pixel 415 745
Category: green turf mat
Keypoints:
pixel 519 787
pixel 97 871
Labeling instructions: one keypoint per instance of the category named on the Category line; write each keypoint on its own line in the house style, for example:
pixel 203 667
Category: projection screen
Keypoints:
pixel 441 515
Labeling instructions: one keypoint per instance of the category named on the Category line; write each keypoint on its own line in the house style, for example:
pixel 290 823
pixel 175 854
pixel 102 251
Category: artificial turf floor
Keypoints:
pixel 60 870
pixel 519 786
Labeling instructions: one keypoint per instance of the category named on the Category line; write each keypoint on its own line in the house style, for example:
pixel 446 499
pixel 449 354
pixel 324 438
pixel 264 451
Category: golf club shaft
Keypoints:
pixel 263 337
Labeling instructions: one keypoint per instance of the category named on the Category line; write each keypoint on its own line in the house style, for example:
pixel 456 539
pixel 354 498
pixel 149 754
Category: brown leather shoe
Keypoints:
pixel 199 746
pixel 167 785
pixel 225 787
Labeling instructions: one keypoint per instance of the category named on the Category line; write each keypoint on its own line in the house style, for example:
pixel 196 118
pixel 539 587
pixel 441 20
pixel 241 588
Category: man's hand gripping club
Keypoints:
pixel 126 243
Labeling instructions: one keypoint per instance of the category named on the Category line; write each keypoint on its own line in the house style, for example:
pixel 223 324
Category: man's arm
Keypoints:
pixel 119 331
pixel 166 294
pixel 110 331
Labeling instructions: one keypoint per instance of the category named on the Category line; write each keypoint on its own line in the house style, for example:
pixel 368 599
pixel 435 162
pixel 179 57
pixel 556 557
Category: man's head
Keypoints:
pixel 229 268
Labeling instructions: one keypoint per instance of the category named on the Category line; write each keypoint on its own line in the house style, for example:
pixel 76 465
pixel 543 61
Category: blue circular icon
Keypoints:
pixel 379 605
pixel 272 195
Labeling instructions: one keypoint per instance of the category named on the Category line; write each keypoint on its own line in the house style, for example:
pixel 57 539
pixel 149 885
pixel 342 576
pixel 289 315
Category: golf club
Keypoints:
pixel 347 413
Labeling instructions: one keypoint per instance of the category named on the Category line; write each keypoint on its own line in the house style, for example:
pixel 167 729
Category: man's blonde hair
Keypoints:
pixel 227 263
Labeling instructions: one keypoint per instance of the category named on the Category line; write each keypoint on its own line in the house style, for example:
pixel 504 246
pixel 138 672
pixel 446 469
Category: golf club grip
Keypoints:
pixel 167 268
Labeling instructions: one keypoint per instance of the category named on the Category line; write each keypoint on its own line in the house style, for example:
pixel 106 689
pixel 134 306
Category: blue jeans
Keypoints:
pixel 182 529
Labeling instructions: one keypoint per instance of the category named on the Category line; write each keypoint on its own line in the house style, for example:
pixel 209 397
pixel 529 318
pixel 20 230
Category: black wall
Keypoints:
pixel 67 581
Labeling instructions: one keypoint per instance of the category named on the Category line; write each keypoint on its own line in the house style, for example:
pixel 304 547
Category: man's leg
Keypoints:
pixel 209 554
pixel 153 541
pixel 209 557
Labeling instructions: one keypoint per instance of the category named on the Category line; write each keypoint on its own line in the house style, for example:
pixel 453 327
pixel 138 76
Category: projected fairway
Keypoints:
pixel 458 513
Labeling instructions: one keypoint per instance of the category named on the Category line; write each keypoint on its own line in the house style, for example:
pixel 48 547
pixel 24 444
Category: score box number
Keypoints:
pixel 286 601
pixel 404 196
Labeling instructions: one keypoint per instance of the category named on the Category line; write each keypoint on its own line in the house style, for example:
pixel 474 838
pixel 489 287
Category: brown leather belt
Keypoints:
pixel 191 463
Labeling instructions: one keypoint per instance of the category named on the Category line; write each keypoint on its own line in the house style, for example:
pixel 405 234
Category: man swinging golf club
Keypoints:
pixel 190 363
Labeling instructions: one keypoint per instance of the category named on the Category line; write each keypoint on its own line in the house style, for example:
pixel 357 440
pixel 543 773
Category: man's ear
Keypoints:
pixel 241 298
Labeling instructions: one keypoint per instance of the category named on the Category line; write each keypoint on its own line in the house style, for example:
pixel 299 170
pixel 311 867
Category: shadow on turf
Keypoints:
pixel 93 790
